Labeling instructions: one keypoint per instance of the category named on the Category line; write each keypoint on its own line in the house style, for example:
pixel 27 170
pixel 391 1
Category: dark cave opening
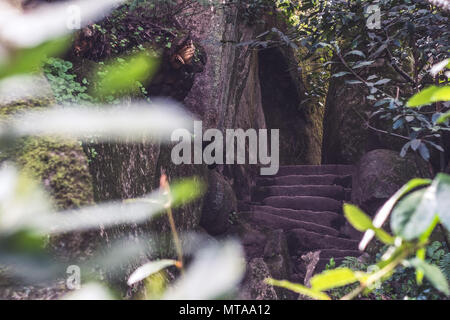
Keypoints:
pixel 281 104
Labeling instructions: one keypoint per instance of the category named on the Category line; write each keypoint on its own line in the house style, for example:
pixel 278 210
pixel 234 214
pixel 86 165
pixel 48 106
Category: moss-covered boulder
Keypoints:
pixel 380 173
pixel 62 168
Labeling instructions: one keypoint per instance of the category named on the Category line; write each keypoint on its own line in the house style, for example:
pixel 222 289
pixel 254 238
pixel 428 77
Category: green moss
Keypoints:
pixel 60 165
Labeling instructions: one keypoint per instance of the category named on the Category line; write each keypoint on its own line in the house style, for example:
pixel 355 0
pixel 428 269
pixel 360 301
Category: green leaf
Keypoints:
pixel 333 278
pixel 362 222
pixel 382 81
pixel 298 288
pixel 122 75
pixel 422 98
pixel 413 214
pixel 442 94
pixel 358 219
pixel 356 52
pixel 148 269
pixel 187 190
pixel 340 74
pixel 441 184
pixel 353 82
pixel 432 273
pixel 361 64
pixel 31 59
pixel 386 209
pixel 429 95
pixel 420 254
pixel 443 118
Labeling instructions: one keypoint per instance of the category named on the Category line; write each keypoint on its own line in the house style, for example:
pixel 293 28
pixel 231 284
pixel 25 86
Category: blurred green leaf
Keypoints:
pixel 148 269
pixel 442 188
pixel 432 273
pixel 298 288
pixel 443 118
pixel 361 222
pixel 122 123
pixel 187 190
pixel 119 77
pixel 386 209
pixel 30 60
pixel 358 219
pixel 429 95
pixel 333 278
pixel 413 214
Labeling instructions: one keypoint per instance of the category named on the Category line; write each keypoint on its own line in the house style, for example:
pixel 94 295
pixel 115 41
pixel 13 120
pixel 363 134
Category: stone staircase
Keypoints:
pixel 305 202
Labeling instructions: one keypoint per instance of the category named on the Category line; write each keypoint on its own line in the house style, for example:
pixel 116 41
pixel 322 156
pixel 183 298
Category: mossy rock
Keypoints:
pixel 62 168
pixel 60 165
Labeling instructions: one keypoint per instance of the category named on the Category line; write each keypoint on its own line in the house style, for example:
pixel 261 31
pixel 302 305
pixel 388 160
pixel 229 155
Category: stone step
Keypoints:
pixel 292 180
pixel 272 221
pixel 329 191
pixel 301 240
pixel 304 203
pixel 336 253
pixel 338 169
pixel 325 218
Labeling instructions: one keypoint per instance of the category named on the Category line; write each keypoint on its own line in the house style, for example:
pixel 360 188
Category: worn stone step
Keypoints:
pixel 337 169
pixel 329 191
pixel 325 218
pixel 292 180
pixel 272 221
pixel 336 253
pixel 304 203
pixel 301 240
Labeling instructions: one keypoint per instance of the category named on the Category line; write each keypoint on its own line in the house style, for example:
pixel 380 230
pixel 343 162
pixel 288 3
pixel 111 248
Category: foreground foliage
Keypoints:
pixel 416 209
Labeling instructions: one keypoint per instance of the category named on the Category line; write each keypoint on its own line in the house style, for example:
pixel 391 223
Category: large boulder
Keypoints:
pixel 219 203
pixel 380 173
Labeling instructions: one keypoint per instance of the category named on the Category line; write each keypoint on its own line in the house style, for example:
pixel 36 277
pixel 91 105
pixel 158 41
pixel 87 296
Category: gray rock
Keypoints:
pixel 253 286
pixel 379 174
pixel 220 201
pixel 276 256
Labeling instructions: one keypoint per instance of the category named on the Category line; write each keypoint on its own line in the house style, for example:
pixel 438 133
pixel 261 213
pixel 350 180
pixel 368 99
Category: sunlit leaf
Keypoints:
pixel 187 190
pixel 443 118
pixel 358 219
pixel 121 76
pixel 298 288
pixel 361 222
pixel 330 279
pixel 429 95
pixel 31 59
pixel 148 269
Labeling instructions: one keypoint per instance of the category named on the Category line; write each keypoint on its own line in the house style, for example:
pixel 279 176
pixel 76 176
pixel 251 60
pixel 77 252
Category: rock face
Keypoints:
pixel 254 287
pixel 219 203
pixel 345 136
pixel 60 165
pixel 379 174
